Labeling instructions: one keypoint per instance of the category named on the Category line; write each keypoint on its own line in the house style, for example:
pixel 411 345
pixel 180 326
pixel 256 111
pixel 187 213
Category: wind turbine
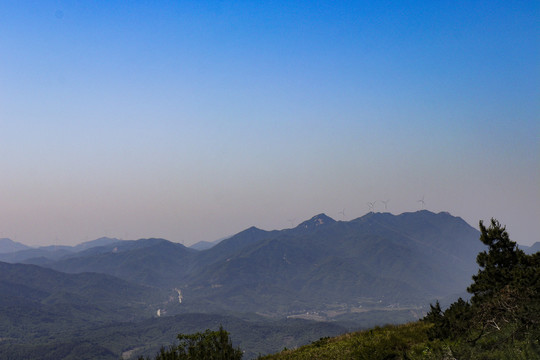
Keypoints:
pixel 422 202
pixel 385 204
pixel 371 206
pixel 342 212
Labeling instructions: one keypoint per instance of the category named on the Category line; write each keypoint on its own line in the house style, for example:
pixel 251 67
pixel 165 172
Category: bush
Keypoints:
pixel 208 345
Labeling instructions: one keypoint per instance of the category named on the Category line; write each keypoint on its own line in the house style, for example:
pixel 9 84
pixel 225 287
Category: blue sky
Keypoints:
pixel 195 120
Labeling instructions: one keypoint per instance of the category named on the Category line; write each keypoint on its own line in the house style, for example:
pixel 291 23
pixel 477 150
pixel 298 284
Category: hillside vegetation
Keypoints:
pixel 390 342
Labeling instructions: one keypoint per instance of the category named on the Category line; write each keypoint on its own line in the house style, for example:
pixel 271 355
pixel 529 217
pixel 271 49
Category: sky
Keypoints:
pixel 194 120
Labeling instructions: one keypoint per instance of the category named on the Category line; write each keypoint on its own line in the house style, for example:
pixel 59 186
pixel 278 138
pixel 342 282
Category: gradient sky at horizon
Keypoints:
pixel 195 120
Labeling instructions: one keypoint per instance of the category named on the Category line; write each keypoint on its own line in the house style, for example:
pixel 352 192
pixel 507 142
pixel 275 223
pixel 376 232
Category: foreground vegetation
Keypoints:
pixel 389 342
pixel 208 345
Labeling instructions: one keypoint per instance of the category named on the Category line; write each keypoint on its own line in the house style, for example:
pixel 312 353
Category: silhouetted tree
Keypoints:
pixel 503 317
pixel 498 265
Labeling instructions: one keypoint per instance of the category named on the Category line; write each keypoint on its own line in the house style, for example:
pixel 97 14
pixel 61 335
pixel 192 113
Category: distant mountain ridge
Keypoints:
pixel 395 260
pixel 531 249
pixel 9 246
pixel 102 241
pixel 205 245
pixel 44 254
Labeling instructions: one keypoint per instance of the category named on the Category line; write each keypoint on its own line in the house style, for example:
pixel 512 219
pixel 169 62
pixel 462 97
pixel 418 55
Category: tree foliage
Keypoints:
pixel 208 345
pixel 503 317
pixel 498 265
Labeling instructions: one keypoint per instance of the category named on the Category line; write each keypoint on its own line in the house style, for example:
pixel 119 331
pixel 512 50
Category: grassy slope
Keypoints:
pixel 407 341
pixel 410 341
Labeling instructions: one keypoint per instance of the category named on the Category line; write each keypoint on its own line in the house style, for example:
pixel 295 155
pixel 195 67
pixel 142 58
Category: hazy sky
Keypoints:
pixel 193 120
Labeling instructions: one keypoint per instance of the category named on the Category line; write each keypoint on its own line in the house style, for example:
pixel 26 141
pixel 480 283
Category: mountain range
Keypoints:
pixel 10 246
pixel 14 252
pixel 375 269
pixel 380 258
pixel 394 260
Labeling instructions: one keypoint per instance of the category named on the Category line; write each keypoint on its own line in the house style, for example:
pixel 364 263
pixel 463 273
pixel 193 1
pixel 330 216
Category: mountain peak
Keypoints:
pixel 8 246
pixel 102 241
pixel 316 221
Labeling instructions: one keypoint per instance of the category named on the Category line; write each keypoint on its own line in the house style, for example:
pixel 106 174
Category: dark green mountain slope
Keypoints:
pixel 127 340
pixel 36 301
pixel 45 314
